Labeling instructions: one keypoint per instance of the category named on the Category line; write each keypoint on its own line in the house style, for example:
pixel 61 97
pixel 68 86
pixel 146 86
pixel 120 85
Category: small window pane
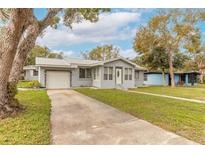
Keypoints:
pixel 126 70
pixel 105 70
pixel 97 72
pixel 130 71
pixel 94 74
pixel 105 77
pixel 105 73
pixel 110 76
pixel 88 73
pixel 35 73
pixel 130 77
pixel 110 73
pixel 145 77
pixel 82 73
pixel 137 75
pixel 110 70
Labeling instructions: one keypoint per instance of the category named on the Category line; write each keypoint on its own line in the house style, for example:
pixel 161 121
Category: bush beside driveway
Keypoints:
pixel 184 118
pixel 31 126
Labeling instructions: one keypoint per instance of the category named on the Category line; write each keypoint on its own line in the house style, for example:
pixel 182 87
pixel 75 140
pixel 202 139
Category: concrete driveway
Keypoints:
pixel 78 119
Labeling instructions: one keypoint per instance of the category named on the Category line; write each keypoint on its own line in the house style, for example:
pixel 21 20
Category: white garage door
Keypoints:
pixel 57 80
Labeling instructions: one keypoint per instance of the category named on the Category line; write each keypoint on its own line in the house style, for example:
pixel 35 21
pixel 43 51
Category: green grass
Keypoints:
pixel 201 85
pixel 31 126
pixel 185 92
pixel 184 118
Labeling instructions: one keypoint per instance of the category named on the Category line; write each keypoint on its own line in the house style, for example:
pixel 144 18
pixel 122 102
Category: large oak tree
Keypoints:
pixel 170 30
pixel 18 36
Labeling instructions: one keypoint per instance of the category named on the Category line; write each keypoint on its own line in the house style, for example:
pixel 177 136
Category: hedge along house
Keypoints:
pixel 68 73
pixel 181 78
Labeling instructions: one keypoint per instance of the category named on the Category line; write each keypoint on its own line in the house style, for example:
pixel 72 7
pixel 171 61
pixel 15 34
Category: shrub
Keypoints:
pixel 28 84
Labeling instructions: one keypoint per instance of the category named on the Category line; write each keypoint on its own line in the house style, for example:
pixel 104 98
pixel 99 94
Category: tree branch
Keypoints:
pixel 49 17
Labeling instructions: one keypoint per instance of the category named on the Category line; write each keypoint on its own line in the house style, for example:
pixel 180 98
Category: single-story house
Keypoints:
pixel 66 73
pixel 181 78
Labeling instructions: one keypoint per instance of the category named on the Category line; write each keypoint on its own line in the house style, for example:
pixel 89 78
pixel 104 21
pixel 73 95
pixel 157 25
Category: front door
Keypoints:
pixel 118 76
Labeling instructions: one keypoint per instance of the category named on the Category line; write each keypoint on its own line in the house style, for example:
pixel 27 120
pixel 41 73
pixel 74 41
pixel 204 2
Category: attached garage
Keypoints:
pixel 57 79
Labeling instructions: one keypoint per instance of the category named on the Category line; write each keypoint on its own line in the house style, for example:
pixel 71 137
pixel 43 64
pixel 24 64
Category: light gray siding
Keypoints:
pixel 139 81
pixel 97 82
pixel 29 75
pixel 79 82
pixel 41 76
pixel 112 83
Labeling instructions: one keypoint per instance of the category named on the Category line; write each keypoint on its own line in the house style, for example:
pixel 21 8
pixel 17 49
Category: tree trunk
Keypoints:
pixel 17 40
pixel 163 78
pixel 25 46
pixel 171 69
pixel 8 46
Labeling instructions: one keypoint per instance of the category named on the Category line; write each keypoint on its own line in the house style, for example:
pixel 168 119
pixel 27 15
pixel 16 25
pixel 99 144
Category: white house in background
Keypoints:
pixel 67 73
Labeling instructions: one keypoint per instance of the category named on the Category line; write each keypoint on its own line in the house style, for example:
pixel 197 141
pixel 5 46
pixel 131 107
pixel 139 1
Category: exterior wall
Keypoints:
pixel 41 76
pixel 112 83
pixel 176 78
pixel 97 83
pixel 139 82
pixel 156 79
pixel 187 81
pixel 79 82
pixel 29 75
pixel 100 82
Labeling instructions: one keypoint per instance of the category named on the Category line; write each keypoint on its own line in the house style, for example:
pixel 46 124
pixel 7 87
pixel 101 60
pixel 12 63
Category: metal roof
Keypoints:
pixel 71 62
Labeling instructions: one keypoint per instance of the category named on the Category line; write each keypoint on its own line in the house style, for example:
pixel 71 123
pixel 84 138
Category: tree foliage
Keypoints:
pixel 171 31
pixel 39 51
pixel 104 52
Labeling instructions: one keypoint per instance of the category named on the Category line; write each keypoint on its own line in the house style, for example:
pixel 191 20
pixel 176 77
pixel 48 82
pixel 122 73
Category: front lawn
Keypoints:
pixel 31 126
pixel 201 85
pixel 185 92
pixel 184 118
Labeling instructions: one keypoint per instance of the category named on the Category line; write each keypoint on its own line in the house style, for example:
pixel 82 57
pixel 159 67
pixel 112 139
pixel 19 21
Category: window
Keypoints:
pixel 84 73
pixel 105 73
pixel 35 73
pixel 191 78
pixel 128 73
pixel 145 77
pixel 96 73
pixel 88 73
pixel 137 75
pixel 108 73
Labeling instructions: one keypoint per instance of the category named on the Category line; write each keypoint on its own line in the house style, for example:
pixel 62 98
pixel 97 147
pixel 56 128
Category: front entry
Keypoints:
pixel 118 76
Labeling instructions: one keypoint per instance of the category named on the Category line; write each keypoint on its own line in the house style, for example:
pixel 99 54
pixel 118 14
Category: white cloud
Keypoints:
pixel 69 53
pixel 128 53
pixel 111 26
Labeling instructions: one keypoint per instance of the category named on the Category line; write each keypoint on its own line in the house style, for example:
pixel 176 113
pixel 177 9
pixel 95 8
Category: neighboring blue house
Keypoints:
pixel 185 78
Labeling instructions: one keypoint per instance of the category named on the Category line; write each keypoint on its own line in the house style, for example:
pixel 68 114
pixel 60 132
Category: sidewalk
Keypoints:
pixel 166 96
